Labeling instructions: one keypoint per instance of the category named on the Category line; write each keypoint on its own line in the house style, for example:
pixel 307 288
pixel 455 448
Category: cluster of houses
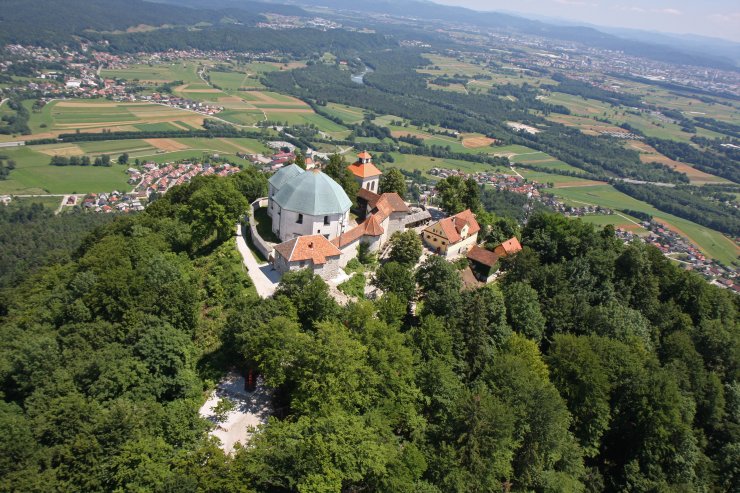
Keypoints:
pixel 678 248
pixel 157 178
pixel 499 181
pixel 114 202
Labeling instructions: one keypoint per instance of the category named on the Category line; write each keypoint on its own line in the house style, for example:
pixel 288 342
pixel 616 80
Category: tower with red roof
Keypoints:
pixel 365 172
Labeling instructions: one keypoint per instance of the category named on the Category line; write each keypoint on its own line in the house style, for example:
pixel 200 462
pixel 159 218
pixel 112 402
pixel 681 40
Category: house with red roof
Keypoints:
pixel 453 236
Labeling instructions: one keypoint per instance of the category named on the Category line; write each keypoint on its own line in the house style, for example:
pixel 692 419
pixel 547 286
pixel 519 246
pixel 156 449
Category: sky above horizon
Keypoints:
pixel 715 18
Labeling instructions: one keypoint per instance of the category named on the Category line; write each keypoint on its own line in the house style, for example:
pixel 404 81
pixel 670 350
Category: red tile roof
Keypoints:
pixel 315 248
pixel 366 170
pixel 509 247
pixel 482 256
pixel 369 227
pixel 389 203
pixel 453 225
pixel 370 197
pixel 373 226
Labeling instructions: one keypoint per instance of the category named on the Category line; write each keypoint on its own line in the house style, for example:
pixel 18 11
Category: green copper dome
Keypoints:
pixel 284 174
pixel 313 193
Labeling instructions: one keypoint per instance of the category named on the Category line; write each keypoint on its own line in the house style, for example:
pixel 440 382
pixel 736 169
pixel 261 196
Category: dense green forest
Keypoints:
pixel 590 366
pixel 62 21
pixel 31 236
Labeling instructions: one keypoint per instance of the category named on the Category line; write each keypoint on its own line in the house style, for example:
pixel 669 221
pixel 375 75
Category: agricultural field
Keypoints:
pixel 650 125
pixel 348 114
pixel 712 243
pixel 34 174
pixel 448 66
pixel 618 220
pixel 234 81
pixel 68 116
pixel 159 73
pixel 649 155
pixel 411 162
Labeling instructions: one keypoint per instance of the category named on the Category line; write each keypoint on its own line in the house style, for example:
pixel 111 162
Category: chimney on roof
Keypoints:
pixel 310 244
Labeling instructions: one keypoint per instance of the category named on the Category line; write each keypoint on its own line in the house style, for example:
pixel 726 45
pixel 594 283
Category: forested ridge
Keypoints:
pixel 589 366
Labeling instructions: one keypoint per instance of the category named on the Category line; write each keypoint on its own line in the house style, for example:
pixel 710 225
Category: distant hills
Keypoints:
pixel 48 22
pixel 656 47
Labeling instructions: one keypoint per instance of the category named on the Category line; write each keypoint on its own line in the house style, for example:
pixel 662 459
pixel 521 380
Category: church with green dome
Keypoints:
pixel 303 203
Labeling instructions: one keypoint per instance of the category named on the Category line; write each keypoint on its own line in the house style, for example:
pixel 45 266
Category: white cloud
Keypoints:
pixel 641 10
pixel 581 3
pixel 668 11
pixel 730 17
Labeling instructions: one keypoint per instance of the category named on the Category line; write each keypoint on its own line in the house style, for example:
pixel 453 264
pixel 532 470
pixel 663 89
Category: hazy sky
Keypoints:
pixel 716 18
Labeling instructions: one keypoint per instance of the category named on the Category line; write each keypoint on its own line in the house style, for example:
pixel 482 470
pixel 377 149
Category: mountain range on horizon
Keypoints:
pixel 627 39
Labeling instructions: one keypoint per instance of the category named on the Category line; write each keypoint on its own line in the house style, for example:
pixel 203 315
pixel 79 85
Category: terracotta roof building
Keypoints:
pixel 509 247
pixel 314 252
pixel 365 172
pixel 454 235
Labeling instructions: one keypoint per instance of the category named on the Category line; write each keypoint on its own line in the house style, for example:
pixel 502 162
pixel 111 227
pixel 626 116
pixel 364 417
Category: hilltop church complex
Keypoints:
pixel 310 214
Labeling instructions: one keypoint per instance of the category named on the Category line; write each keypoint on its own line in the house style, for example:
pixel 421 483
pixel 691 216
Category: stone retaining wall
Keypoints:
pixel 264 247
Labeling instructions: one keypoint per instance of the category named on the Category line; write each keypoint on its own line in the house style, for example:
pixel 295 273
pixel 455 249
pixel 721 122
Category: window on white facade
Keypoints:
pixel 300 219
pixel 326 220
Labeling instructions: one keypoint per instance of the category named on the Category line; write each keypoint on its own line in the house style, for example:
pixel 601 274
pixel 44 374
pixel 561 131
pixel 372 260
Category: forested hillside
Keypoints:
pixel 31 236
pixel 57 21
pixel 590 366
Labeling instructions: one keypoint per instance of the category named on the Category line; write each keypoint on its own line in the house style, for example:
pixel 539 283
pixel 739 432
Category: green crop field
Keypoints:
pixel 305 118
pixel 158 73
pixel 68 116
pixel 347 114
pixel 712 243
pixel 616 220
pixel 157 127
pixel 35 175
pixel 241 116
pixel 411 162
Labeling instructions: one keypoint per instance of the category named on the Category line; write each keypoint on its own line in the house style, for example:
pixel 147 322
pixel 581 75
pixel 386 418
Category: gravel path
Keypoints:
pixel 264 277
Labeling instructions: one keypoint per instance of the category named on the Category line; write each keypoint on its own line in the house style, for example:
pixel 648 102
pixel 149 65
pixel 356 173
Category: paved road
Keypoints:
pixel 265 279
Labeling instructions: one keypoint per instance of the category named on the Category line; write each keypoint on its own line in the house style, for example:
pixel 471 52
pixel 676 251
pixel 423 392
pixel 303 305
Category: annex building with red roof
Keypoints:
pixel 453 236
pixel 314 252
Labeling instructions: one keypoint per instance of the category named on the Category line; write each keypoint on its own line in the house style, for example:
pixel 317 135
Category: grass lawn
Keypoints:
pixel 49 202
pixel 34 175
pixel 264 225
pixel 712 243
pixel 354 286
